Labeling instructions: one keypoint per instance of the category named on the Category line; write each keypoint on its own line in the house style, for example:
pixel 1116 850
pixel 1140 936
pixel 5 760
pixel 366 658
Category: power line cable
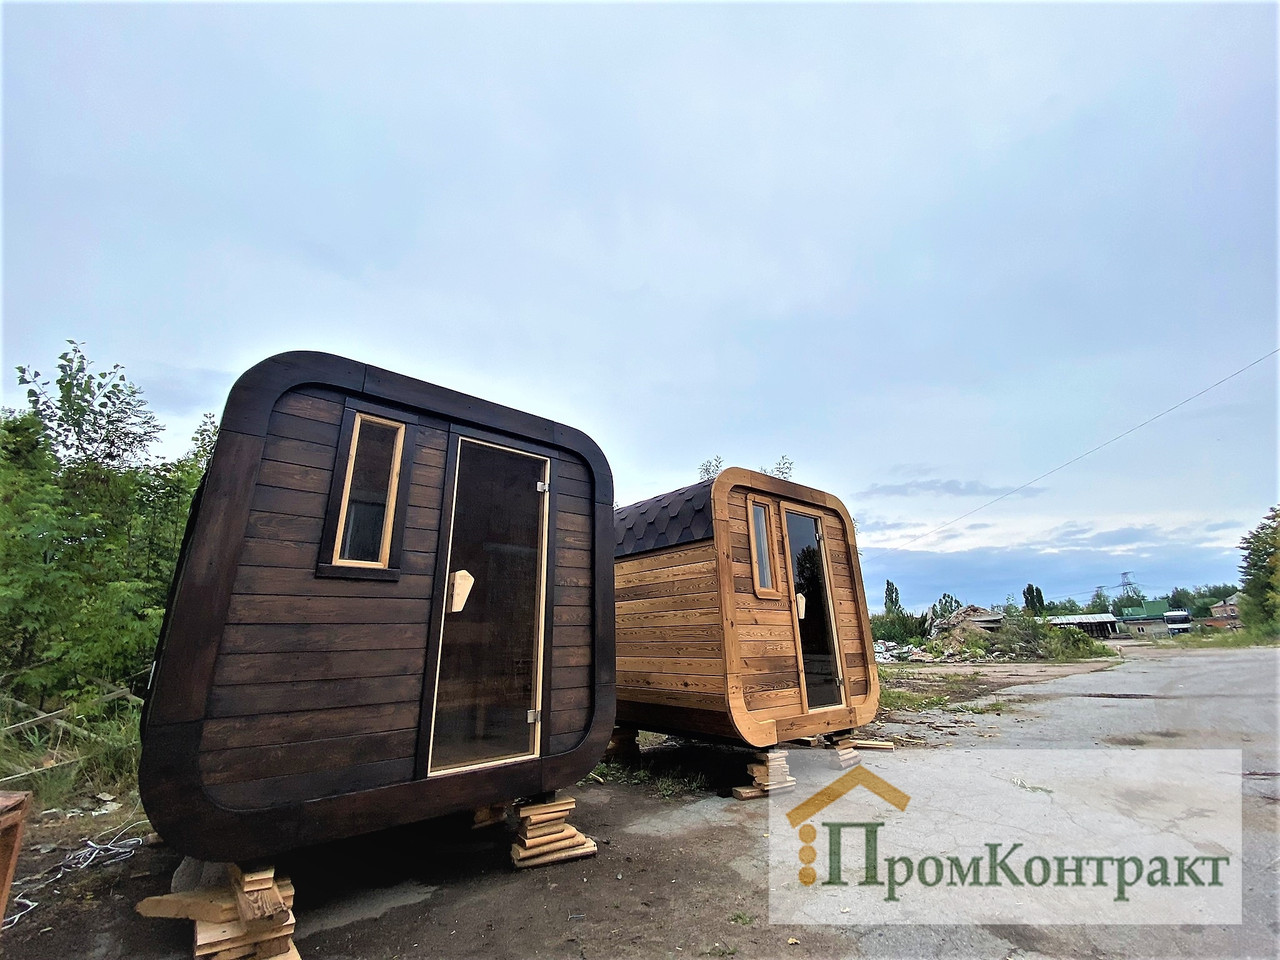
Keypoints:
pixel 1075 459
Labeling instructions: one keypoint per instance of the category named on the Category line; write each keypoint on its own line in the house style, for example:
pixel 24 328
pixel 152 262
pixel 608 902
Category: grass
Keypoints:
pixel 995 706
pixel 1228 639
pixel 667 784
pixel 720 950
pixel 739 916
pixel 57 765
pixel 892 698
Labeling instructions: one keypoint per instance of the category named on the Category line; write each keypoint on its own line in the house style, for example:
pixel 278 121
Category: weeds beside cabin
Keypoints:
pixel 741 614
pixel 393 602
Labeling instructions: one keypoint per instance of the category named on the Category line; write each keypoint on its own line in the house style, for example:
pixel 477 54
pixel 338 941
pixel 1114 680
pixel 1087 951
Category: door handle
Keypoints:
pixel 460 584
pixel 799 606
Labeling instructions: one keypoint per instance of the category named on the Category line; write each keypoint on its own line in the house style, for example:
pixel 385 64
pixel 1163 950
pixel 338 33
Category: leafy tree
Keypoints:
pixel 1130 596
pixel 1062 608
pixel 892 602
pixel 896 624
pixel 91 528
pixel 782 469
pixel 1199 600
pixel 1100 602
pixel 1260 572
pixel 100 418
pixel 945 607
pixel 1218 591
pixel 708 469
pixel 1033 600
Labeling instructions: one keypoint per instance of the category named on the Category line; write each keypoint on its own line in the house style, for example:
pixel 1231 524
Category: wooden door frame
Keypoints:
pixel 440 590
pixel 833 631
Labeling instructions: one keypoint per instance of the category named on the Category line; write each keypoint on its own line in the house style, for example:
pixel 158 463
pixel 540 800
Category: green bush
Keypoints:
pixel 1027 638
pixel 90 528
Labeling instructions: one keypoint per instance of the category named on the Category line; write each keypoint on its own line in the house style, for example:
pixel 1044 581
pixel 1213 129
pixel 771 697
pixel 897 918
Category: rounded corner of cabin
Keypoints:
pixel 754 732
pixel 727 479
pixel 581 444
pixel 255 392
pixel 180 807
pixel 575 763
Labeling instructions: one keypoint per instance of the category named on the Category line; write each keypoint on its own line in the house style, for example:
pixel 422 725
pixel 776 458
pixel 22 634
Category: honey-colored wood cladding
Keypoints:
pixel 287 704
pixel 703 648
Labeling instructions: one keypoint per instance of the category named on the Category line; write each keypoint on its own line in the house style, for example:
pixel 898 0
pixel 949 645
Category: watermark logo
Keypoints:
pixel 859 776
pixel 1010 836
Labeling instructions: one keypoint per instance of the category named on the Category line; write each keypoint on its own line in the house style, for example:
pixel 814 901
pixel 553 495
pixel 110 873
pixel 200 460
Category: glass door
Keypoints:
pixel 814 611
pixel 488 679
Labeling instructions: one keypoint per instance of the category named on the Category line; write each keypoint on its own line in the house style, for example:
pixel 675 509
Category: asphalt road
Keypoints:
pixel 685 878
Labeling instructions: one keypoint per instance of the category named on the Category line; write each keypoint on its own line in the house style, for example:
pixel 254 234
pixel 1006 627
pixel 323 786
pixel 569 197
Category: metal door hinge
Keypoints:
pixel 543 486
pixel 534 716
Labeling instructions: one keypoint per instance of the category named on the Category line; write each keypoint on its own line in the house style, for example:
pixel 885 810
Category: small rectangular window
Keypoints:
pixel 761 537
pixel 369 493
pixel 760 525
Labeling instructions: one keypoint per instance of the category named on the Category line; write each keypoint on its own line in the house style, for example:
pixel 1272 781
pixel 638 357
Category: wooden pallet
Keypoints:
pixel 770 774
pixel 873 744
pixel 250 916
pixel 13 814
pixel 545 836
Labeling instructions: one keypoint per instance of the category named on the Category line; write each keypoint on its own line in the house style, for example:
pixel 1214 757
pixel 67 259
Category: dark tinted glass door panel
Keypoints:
pixel 490 647
pixel 813 609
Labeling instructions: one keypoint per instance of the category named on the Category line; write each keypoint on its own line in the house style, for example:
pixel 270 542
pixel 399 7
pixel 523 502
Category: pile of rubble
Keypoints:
pixel 962 643
pixel 958 636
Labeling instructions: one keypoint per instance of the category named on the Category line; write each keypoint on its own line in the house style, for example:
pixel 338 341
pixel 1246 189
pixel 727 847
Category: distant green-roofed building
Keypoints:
pixel 1150 610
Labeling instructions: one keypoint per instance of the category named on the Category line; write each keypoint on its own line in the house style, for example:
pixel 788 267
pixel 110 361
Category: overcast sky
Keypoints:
pixel 927 251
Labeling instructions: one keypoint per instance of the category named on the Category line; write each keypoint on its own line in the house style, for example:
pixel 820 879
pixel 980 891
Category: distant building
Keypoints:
pixel 1155 619
pixel 1228 609
pixel 1225 613
pixel 1097 625
pixel 1148 620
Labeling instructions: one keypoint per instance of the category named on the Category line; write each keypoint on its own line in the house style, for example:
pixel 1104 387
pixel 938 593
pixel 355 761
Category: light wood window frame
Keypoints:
pixel 387 566
pixel 774 592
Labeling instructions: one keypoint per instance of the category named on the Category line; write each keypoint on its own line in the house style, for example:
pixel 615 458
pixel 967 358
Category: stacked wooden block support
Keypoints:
pixel 251 916
pixel 770 774
pixel 845 753
pixel 545 835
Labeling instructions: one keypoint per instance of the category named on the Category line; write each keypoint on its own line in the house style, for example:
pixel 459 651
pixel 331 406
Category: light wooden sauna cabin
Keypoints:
pixel 741 613
pixel 393 602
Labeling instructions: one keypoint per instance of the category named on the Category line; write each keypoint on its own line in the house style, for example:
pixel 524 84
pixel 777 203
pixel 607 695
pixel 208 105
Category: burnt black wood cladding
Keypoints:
pixel 287 700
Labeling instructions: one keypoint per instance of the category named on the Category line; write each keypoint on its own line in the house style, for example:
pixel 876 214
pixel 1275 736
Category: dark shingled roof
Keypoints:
pixel 681 516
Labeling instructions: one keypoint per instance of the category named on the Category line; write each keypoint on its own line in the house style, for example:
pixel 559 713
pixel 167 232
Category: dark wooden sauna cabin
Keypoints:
pixel 741 613
pixel 393 602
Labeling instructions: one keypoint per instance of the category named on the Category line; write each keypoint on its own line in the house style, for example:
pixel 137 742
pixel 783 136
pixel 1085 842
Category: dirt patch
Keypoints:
pixel 927 686
pixel 89 912
pixel 673 878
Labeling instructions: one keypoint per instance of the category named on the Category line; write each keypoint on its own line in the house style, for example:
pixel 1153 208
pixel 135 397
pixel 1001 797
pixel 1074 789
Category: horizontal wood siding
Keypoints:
pixel 570 688
pixel 670 636
pixel 318 680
